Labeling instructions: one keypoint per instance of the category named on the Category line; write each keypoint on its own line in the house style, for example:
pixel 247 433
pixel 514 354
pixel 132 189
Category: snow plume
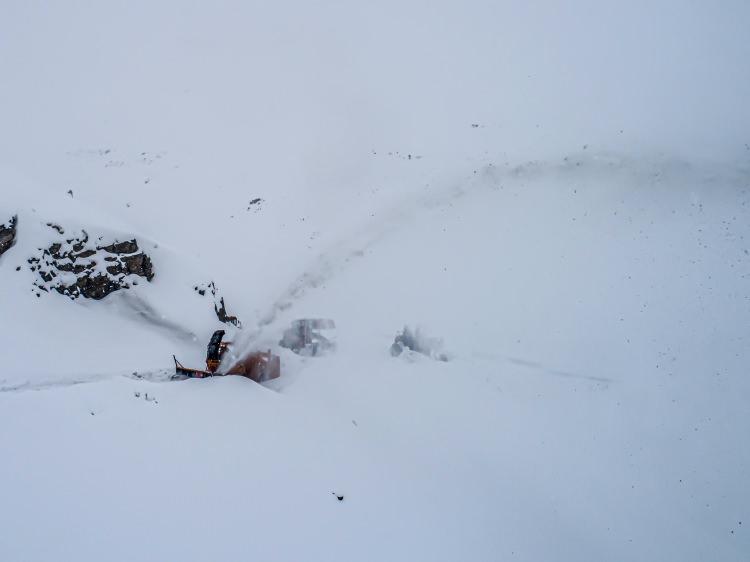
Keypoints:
pixel 664 179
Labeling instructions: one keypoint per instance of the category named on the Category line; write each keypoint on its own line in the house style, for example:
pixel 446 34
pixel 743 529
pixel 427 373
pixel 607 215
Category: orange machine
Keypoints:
pixel 258 365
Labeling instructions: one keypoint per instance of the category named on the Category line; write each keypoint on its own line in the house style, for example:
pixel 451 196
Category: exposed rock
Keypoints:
pixel 79 244
pixel 93 287
pixel 139 264
pixel 8 234
pixel 84 254
pixel 96 287
pixel 75 256
pixel 219 306
pixel 255 204
pixel 221 313
pixel 54 250
pixel 130 247
pixel 73 268
pixel 56 227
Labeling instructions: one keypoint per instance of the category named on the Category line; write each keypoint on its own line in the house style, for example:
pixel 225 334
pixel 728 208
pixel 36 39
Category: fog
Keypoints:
pixel 305 85
pixel 556 190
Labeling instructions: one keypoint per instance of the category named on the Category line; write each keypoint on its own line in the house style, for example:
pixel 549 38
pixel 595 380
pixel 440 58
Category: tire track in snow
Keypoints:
pixel 333 261
pixel 353 246
pixel 487 176
pixel 158 375
pixel 540 368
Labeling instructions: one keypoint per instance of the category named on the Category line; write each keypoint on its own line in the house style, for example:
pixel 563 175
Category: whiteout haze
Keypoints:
pixel 559 191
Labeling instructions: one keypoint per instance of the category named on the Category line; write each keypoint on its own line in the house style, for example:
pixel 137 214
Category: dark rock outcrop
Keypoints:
pixel 221 314
pixel 75 256
pixel 139 264
pixel 97 286
pixel 129 247
pixel 83 255
pixel 92 287
pixel 8 234
pixel 219 307
pixel 78 245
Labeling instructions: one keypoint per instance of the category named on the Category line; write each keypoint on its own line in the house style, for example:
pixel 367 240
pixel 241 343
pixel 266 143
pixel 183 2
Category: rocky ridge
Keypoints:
pixel 76 267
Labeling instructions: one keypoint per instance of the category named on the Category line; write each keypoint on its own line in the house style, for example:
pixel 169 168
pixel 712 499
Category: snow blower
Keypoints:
pixel 257 365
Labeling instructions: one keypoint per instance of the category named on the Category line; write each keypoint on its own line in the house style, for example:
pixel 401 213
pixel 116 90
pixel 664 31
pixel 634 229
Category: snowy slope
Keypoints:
pixel 560 194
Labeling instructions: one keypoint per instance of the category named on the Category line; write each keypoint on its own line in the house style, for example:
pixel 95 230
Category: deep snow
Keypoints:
pixel 561 194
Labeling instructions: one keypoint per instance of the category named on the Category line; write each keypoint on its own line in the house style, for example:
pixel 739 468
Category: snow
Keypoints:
pixel 582 252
